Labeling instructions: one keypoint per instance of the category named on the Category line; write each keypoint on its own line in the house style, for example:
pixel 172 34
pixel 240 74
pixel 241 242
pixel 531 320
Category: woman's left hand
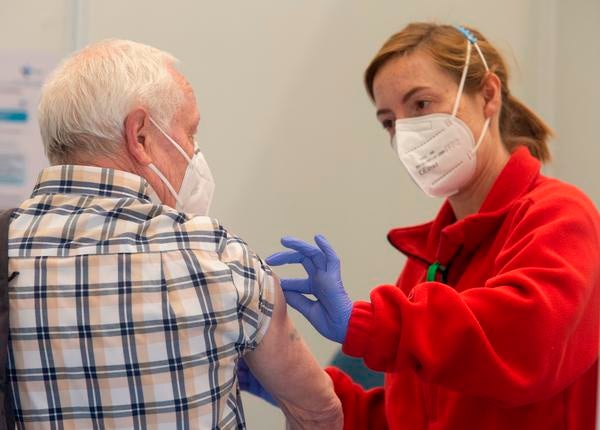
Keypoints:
pixel 330 313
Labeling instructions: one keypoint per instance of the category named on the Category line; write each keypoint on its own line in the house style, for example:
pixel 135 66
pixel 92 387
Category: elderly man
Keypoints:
pixel 131 308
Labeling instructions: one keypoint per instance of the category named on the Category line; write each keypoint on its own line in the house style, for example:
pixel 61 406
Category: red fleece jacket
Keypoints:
pixel 509 340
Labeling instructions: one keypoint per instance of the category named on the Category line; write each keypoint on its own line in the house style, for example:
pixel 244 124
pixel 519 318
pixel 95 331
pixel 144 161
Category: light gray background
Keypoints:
pixel 288 129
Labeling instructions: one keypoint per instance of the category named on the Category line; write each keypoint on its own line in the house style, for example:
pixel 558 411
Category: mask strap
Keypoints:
pixel 484 130
pixel 170 139
pixel 463 78
pixel 165 181
pixel 485 64
pixel 471 40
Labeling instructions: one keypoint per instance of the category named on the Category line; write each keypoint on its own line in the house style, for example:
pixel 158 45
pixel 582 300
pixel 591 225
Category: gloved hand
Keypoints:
pixel 250 384
pixel 330 313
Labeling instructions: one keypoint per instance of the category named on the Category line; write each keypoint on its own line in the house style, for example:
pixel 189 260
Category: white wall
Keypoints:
pixel 577 149
pixel 286 124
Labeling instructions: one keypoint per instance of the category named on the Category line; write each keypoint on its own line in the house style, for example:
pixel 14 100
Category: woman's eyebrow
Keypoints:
pixel 410 93
pixel 405 98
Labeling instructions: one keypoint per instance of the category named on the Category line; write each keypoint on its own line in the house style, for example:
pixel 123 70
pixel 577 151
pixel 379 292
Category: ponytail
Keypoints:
pixel 519 125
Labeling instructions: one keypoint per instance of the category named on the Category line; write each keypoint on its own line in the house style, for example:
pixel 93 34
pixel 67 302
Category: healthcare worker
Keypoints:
pixel 493 322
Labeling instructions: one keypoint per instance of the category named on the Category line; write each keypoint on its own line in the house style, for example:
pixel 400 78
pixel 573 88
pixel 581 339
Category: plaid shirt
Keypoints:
pixel 125 314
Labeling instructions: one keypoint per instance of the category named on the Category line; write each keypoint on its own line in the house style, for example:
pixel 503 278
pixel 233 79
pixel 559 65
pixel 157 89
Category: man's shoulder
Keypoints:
pixel 59 227
pixel 168 229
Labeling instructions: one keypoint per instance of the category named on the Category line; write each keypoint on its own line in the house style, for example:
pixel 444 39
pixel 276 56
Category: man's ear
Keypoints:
pixel 136 136
pixel 492 94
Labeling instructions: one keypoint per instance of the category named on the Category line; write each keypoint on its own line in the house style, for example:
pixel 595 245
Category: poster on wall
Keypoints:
pixel 21 152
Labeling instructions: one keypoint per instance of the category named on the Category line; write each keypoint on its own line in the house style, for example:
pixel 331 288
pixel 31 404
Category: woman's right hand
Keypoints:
pixel 331 310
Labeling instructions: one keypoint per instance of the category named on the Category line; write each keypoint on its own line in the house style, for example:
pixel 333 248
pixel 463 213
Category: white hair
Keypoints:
pixel 85 101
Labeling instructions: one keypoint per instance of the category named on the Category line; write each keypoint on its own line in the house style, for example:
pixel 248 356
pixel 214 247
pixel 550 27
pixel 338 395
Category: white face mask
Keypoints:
pixel 198 186
pixel 438 150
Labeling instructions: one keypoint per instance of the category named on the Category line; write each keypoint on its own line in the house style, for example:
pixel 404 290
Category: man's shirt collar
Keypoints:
pixel 95 181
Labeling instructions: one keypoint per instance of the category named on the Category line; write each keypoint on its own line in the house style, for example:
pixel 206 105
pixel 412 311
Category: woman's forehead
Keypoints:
pixel 403 73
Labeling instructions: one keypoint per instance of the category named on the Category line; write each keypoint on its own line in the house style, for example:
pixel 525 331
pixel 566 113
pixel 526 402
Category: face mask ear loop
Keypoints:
pixel 179 148
pixel 485 64
pixel 463 78
pixel 484 130
pixel 166 182
pixel 486 124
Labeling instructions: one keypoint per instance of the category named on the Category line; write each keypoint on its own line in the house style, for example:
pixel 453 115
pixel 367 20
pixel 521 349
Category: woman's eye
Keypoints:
pixel 422 104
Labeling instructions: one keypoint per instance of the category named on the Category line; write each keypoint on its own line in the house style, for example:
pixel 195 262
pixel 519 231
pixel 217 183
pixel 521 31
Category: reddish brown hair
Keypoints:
pixel 519 125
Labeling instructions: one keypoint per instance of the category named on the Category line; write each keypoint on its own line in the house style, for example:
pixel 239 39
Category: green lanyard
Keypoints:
pixel 432 271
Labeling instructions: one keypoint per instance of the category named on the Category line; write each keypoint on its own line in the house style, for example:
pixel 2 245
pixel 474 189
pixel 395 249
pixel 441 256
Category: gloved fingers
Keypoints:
pixel 332 258
pixel 292 257
pixel 284 257
pixel 296 285
pixel 301 303
pixel 248 382
pixel 243 374
pixel 244 381
pixel 310 251
pixel 242 366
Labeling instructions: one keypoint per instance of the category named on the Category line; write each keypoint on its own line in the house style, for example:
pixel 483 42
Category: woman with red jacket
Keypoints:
pixel 493 322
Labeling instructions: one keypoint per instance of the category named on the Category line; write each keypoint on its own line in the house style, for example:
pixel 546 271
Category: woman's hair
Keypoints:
pixel 519 125
pixel 85 101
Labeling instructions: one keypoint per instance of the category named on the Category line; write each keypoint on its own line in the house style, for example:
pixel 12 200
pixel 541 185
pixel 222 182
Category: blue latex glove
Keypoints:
pixel 331 310
pixel 250 384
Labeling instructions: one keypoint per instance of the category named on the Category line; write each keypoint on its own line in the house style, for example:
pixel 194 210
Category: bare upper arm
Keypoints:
pixel 286 368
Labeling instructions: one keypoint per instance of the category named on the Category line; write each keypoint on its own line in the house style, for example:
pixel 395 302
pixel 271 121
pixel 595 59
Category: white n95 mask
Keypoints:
pixel 438 150
pixel 198 186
